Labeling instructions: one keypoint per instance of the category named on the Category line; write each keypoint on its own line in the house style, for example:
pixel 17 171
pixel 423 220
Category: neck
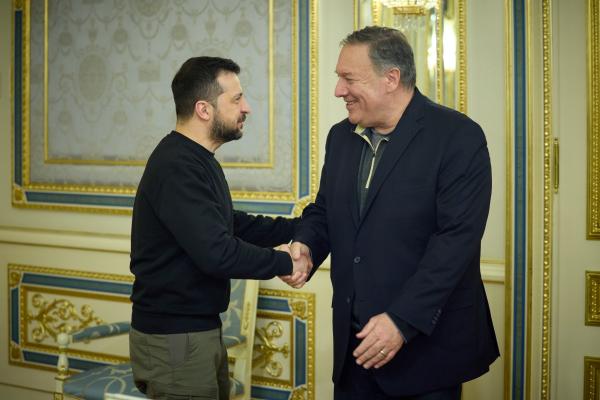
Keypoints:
pixel 198 133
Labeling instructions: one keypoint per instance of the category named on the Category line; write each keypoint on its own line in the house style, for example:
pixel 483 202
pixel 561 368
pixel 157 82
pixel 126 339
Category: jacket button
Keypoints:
pixel 348 300
pixel 356 260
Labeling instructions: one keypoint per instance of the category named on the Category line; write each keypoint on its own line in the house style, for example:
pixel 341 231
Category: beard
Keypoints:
pixel 222 132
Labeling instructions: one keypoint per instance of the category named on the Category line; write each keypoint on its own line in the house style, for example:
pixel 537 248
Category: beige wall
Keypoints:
pixel 100 243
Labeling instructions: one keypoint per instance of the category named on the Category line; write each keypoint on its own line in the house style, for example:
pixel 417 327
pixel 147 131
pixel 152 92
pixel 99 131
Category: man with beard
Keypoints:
pixel 187 241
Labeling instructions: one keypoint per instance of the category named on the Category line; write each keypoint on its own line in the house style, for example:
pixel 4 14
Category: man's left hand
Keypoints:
pixel 381 340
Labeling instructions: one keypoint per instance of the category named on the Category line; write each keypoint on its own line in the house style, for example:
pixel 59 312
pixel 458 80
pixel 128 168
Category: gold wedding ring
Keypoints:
pixel 383 353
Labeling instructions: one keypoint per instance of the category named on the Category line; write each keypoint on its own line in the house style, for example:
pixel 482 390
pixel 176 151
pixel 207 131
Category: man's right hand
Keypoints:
pixel 302 264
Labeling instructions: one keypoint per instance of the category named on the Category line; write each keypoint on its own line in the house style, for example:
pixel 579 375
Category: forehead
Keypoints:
pixel 230 82
pixel 354 58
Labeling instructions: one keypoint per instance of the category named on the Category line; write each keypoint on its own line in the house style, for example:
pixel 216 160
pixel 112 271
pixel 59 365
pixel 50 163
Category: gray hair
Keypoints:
pixel 388 48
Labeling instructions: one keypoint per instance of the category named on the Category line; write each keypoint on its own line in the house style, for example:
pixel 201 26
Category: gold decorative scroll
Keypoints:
pixel 267 349
pixel 299 308
pixel 59 316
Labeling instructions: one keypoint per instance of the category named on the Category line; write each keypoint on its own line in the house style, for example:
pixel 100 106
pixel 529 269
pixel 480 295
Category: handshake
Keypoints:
pixel 302 262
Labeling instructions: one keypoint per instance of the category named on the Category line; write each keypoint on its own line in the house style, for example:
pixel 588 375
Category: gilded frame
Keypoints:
pixel 593 110
pixel 119 199
pixel 290 344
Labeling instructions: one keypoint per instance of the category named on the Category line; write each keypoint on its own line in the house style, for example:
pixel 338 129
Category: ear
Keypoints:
pixel 203 110
pixel 392 78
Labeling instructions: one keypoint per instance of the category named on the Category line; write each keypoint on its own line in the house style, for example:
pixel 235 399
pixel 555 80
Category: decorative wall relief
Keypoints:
pixel 591 374
pixel 283 361
pixel 46 301
pixel 592 298
pixel 92 97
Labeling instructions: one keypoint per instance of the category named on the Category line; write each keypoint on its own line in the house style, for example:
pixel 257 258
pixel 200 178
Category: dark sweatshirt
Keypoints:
pixel 187 241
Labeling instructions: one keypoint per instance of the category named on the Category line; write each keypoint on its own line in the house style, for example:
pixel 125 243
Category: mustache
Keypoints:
pixel 242 118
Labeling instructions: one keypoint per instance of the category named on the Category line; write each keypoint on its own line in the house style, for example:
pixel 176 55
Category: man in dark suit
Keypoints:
pixel 402 206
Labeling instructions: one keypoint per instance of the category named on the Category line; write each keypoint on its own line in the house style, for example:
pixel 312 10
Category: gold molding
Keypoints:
pixel 314 92
pixel 592 298
pixel 297 211
pixel 70 273
pixel 591 378
pixel 462 57
pixel 593 117
pixel 141 163
pixel 547 251
pixel 508 286
pixel 531 70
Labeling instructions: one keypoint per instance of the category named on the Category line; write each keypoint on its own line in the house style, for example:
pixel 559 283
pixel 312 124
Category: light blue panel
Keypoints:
pixel 304 103
pixel 18 97
pixel 52 359
pixel 80 199
pixel 264 208
pixel 520 200
pixel 300 353
pixel 273 304
pixel 14 315
pixel 77 283
pixel 259 392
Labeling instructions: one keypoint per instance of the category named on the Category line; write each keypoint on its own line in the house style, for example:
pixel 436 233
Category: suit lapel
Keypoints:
pixel 406 129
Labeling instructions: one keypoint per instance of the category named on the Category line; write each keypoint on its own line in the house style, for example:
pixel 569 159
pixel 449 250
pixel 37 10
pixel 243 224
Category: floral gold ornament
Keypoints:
pixel 58 316
pixel 299 309
pixel 15 353
pixel 299 393
pixel 267 349
pixel 14 278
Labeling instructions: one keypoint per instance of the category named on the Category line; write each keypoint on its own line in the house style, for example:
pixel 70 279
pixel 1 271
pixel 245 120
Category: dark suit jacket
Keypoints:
pixel 415 252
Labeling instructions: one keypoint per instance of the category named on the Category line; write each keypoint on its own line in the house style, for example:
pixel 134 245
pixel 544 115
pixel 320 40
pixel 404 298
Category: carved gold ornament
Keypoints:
pixel 267 349
pixel 59 316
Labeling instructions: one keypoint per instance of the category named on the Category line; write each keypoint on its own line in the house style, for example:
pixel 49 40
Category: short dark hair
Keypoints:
pixel 197 80
pixel 388 48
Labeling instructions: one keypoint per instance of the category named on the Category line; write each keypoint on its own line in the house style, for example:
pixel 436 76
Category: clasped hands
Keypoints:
pixel 302 264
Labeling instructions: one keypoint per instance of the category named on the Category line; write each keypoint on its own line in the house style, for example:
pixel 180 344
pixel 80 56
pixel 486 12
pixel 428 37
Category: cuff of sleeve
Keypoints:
pixel 407 331
pixel 284 263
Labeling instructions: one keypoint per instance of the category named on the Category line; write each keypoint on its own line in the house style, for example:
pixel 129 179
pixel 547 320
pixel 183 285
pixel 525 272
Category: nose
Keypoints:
pixel 340 88
pixel 245 106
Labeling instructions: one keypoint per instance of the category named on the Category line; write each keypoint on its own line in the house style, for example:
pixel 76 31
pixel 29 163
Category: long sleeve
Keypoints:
pixel 463 200
pixel 263 231
pixel 192 212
